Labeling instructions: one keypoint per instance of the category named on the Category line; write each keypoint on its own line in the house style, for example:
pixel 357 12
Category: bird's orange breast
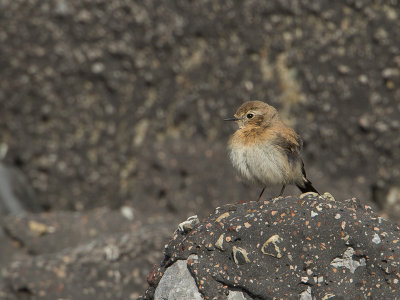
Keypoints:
pixel 251 136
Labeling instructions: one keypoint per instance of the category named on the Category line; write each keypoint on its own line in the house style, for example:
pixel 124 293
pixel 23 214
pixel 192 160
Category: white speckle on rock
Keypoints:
pixel 127 212
pixel 313 214
pixel 98 68
pixel 112 252
pixel 338 216
pixel 363 78
pixel 347 261
pixel 220 242
pixel 304 279
pixel 376 239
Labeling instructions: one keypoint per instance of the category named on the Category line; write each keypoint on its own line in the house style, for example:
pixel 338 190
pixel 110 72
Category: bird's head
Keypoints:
pixel 255 114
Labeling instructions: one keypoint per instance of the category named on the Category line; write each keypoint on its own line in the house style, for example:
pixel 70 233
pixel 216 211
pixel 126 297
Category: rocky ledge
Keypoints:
pixel 311 247
pixel 95 255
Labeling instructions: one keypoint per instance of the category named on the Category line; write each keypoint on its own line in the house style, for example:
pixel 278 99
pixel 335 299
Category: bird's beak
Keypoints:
pixel 231 119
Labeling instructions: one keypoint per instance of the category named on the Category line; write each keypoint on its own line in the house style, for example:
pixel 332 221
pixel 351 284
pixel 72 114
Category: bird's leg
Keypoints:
pixel 259 197
pixel 283 188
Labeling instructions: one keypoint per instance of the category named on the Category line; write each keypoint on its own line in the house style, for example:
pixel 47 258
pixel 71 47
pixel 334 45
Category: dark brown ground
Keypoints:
pixel 111 103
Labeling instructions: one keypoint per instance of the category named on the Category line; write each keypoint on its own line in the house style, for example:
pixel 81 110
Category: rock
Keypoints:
pixel 50 233
pixel 100 254
pixel 177 283
pixel 311 247
pixel 100 269
pixel 16 195
pixel 188 225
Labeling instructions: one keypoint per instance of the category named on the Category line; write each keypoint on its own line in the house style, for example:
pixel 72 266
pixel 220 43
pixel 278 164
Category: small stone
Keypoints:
pixel 348 262
pixel 328 197
pixel 390 72
pixel 304 195
pixel 306 295
pixel 62 8
pixel 178 283
pixel 344 69
pixel 219 244
pixel 381 126
pixel 376 239
pixel 127 212
pixel 363 79
pixel 364 122
pixel 98 68
pixel 390 85
pixel 3 150
pixel 235 295
pixel 248 85
pixel 189 224
pixel 274 240
pixel 240 255
pixel 39 229
pixel 112 252
pixel 328 296
pixel 223 216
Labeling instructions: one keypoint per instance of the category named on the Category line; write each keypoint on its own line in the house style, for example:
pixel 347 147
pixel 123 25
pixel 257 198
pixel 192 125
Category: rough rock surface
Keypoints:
pixel 101 254
pixel 106 102
pixel 312 246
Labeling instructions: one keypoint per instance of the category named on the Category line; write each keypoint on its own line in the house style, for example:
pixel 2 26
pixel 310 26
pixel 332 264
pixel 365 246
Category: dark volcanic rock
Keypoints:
pixel 101 254
pixel 107 268
pixel 41 233
pixel 312 246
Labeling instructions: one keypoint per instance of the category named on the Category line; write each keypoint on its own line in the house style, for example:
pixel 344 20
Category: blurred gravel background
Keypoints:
pixel 120 103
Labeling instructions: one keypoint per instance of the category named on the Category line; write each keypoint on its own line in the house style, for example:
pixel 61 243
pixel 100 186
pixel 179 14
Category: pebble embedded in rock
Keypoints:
pixel 240 255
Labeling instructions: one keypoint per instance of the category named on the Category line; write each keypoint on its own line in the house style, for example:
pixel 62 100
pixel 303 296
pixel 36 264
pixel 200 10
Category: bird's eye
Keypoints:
pixel 249 116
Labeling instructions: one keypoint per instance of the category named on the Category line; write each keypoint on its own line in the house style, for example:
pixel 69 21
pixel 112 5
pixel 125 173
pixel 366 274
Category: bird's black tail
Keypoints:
pixel 307 187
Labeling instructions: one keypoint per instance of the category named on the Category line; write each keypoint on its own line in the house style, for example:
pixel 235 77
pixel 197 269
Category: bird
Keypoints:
pixel 265 151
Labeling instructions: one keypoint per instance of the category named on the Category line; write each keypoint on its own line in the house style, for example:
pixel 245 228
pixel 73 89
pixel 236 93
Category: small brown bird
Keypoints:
pixel 265 151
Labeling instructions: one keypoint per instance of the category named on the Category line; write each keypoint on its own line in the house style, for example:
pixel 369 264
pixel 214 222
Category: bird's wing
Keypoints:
pixel 291 144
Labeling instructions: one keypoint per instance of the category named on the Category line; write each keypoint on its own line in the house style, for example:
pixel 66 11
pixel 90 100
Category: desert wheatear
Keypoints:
pixel 265 151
